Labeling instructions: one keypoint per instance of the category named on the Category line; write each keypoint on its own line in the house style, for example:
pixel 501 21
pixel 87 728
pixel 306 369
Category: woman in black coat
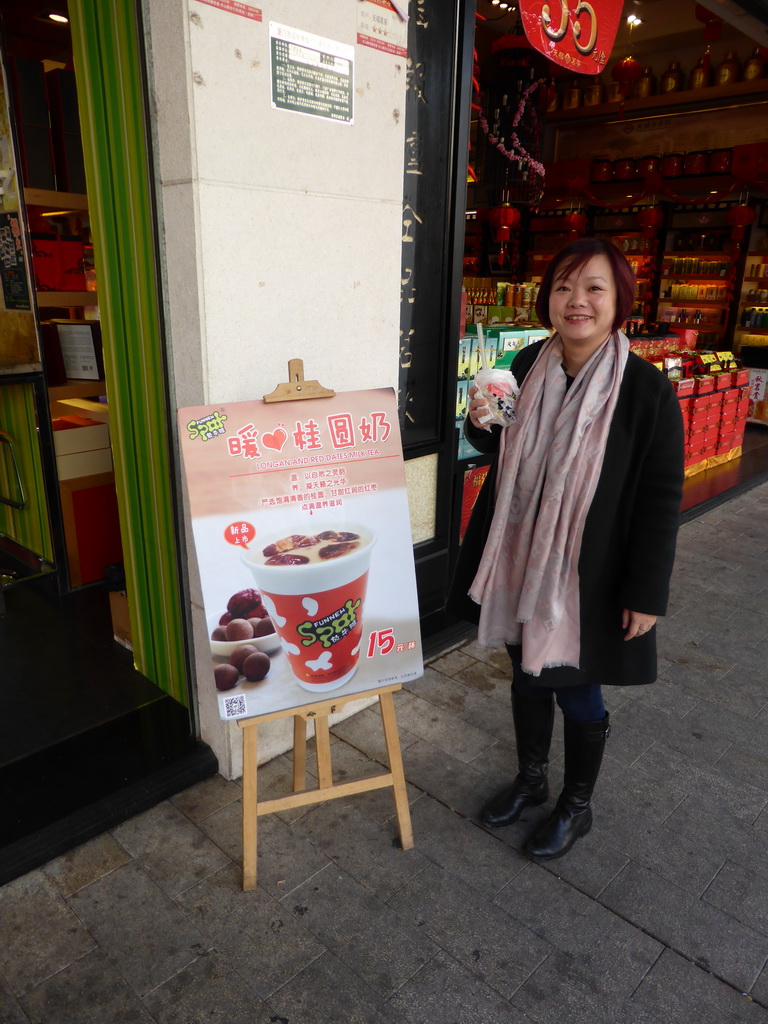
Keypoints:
pixel 569 551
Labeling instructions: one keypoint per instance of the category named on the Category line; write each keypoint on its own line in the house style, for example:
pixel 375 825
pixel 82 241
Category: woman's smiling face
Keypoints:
pixel 582 305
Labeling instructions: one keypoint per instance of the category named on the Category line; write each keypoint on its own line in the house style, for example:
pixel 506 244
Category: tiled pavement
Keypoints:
pixel 660 915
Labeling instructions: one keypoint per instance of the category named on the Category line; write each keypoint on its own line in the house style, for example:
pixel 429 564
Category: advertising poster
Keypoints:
pixel 301 527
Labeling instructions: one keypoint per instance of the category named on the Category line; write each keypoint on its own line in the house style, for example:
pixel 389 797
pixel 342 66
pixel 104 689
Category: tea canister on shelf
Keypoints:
pixel 645 85
pixel 602 169
pixel 728 70
pixel 720 161
pixel 615 95
pixel 696 163
pixel 755 66
pixel 701 76
pixel 672 79
pixel 594 93
pixel 572 96
pixel 648 165
pixel 671 165
pixel 624 169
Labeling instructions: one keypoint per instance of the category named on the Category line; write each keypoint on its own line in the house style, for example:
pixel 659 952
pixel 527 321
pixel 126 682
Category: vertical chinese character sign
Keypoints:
pixel 300 519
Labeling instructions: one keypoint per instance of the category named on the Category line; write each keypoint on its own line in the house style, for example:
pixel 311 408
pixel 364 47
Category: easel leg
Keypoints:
pixel 250 808
pixel 323 742
pixel 395 756
pixel 299 753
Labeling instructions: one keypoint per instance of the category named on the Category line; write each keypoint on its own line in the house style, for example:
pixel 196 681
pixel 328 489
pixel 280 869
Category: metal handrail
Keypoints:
pixel 20 501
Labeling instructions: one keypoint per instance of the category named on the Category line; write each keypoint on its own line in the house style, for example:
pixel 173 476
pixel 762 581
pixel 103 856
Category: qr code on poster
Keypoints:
pixel 234 707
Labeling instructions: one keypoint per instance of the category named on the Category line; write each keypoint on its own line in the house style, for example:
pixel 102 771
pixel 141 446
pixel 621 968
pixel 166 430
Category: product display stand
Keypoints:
pixel 326 790
pixel 295 390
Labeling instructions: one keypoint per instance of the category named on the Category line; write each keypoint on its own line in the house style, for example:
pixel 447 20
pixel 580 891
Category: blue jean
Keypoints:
pixel 579 703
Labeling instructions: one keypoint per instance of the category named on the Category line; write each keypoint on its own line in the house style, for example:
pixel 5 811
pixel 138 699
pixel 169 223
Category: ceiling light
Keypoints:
pixel 634 20
pixel 503 6
pixel 495 2
pixel 61 19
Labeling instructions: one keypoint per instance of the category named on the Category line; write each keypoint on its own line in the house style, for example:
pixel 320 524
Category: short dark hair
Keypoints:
pixel 573 257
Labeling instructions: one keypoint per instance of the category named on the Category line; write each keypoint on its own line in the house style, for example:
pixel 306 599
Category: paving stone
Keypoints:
pixel 712 939
pixel 729 837
pixel 367 849
pixel 592 862
pixel 208 991
pixel 443 730
pixel 677 990
pixel 742 894
pixel 496 656
pixel 328 992
pixel 10 1010
pixel 452 782
pixel 486 940
pixel 577 925
pixel 262 940
pixel 284 859
pixel 365 732
pixel 674 642
pixel 85 864
pixel 491 678
pixel 467 852
pixel 662 694
pixel 760 989
pixel 636 727
pixel 445 991
pixel 740 729
pixel 570 987
pixel 138 926
pixel 447 693
pixel 89 991
pixel 207 796
pixel 275 779
pixel 742 691
pixel 39 933
pixel 451 663
pixel 361 930
pixel 715 787
pixel 171 850
pixel 746 765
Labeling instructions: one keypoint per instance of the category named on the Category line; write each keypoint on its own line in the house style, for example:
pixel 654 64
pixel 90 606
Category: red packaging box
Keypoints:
pixel 742 408
pixel 71 265
pixel 704 385
pixel 686 385
pixel 740 377
pixel 722 380
pixel 45 262
pixel 723 447
pixel 699 403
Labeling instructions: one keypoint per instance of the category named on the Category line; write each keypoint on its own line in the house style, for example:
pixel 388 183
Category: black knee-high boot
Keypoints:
pixel 572 817
pixel 533 719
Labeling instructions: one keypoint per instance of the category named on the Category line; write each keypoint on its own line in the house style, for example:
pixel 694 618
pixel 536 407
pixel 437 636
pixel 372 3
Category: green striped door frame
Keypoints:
pixel 111 96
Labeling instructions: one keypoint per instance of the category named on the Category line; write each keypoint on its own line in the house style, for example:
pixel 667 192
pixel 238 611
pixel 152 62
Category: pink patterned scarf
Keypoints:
pixel 551 456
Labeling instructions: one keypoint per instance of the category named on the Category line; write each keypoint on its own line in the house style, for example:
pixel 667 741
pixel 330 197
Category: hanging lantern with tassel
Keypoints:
pixel 740 218
pixel 576 224
pixel 625 72
pixel 650 219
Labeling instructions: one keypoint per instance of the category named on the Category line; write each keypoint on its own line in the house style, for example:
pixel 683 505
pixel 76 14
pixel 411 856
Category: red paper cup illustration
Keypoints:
pixel 314 588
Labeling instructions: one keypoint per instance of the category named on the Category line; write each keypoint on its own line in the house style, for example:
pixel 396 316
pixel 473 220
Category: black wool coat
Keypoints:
pixel 628 545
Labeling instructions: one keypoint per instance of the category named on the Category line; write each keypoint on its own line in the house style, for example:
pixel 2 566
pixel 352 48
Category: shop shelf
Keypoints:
pixel 687 303
pixel 715 95
pixel 49 299
pixel 76 389
pixel 697 253
pixel 753 330
pixel 55 200
pixel 694 277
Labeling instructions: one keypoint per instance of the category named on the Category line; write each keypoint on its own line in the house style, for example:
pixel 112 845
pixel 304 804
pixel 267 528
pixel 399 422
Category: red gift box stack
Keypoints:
pixel 714 412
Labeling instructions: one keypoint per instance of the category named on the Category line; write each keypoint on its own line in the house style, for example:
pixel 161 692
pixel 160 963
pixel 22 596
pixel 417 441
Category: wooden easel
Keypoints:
pixel 326 790
pixel 295 390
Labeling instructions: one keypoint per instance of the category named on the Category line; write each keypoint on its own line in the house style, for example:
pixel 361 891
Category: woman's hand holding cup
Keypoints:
pixel 479 410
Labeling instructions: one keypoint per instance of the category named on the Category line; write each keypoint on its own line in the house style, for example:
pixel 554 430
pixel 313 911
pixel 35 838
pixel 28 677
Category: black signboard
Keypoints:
pixel 12 269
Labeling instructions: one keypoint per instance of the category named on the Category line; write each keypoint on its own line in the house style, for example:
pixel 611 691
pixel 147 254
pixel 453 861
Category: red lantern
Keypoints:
pixel 576 224
pixel 739 217
pixel 713 25
pixel 650 218
pixel 503 218
pixel 625 72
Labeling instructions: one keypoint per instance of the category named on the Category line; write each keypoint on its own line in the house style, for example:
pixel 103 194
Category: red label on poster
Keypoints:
pixel 235 7
pixel 573 33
